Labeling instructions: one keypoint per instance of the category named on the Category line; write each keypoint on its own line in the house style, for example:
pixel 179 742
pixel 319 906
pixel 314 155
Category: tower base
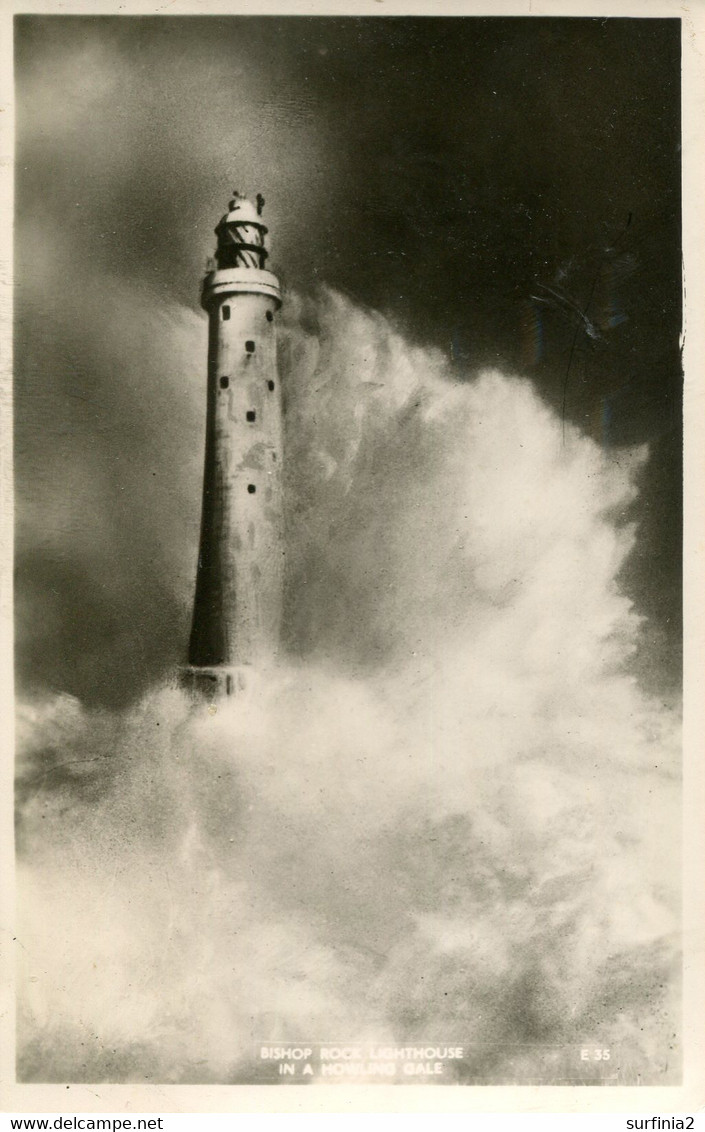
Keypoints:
pixel 212 683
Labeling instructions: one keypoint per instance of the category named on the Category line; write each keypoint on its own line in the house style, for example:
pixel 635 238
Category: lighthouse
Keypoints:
pixel 238 600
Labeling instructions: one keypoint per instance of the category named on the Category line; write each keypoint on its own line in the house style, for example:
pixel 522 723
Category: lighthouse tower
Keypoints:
pixel 237 607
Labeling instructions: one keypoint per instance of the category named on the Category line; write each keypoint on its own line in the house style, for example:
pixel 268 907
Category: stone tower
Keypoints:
pixel 237 607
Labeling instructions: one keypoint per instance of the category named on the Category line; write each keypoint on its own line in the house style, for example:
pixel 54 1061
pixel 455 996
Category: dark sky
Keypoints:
pixel 505 189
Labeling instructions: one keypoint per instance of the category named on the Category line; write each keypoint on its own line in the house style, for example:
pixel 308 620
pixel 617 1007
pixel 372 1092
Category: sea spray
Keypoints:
pixel 449 816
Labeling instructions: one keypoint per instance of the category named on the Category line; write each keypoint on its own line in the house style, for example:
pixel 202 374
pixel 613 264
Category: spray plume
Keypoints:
pixel 447 816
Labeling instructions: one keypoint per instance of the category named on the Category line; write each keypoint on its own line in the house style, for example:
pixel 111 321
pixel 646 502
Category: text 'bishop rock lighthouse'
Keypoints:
pixel 238 602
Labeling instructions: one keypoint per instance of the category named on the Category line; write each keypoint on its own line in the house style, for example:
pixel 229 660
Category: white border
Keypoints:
pixel 690 1097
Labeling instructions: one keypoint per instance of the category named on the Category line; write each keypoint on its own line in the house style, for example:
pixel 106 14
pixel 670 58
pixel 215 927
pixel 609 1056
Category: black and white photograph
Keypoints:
pixel 348 526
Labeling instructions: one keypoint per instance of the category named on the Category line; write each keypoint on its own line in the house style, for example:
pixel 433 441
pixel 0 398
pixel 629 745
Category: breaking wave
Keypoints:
pixel 450 814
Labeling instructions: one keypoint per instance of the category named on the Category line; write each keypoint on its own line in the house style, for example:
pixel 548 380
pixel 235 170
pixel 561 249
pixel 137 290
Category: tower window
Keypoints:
pixel 224 382
pixel 226 312
pixel 251 488
pixel 269 316
pixel 270 386
pixel 251 415
pixel 250 346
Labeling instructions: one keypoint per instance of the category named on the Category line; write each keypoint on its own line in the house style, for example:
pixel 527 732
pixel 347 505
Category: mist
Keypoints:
pixel 450 812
